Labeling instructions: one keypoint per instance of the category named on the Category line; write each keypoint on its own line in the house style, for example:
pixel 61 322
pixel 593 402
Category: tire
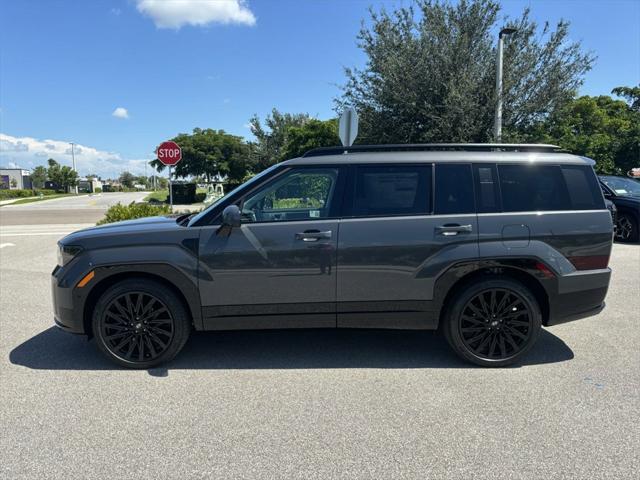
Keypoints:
pixel 626 228
pixel 153 335
pixel 487 340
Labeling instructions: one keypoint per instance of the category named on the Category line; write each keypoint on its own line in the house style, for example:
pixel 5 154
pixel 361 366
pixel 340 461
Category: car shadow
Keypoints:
pixel 53 349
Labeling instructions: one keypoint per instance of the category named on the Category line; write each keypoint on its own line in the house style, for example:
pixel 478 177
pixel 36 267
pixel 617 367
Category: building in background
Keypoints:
pixel 14 178
pixel 89 185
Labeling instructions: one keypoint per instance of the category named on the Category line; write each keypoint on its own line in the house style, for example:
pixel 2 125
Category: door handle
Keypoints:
pixel 453 229
pixel 313 235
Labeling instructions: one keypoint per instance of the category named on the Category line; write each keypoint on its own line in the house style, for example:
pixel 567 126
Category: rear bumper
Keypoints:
pixel 579 295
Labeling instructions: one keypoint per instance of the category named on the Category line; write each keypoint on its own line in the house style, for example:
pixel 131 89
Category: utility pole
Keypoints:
pixel 497 123
pixel 73 159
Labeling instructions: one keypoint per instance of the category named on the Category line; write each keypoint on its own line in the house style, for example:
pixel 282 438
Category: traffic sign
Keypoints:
pixel 348 128
pixel 169 153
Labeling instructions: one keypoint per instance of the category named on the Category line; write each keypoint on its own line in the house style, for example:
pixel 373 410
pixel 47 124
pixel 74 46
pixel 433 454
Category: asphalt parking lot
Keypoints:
pixel 313 404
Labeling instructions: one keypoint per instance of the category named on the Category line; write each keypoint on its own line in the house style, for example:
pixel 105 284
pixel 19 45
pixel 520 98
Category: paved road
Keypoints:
pixel 80 209
pixel 314 404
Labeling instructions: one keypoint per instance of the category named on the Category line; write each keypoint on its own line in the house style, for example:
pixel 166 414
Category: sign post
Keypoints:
pixel 169 153
pixel 348 128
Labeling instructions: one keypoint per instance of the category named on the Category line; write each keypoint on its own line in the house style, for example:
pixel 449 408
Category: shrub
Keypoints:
pixel 119 212
pixel 10 194
pixel 97 190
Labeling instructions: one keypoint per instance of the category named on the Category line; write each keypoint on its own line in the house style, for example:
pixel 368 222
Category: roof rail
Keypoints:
pixel 425 147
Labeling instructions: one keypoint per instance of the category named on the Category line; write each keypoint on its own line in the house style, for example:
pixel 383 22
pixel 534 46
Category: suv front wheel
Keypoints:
pixel 140 323
pixel 493 323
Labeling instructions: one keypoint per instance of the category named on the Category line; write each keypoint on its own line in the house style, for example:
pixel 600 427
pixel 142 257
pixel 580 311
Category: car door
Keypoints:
pixel 278 268
pixel 394 241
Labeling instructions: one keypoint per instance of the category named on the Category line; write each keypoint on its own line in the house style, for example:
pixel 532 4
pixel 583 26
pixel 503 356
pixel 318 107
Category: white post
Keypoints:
pixel 497 124
pixel 73 160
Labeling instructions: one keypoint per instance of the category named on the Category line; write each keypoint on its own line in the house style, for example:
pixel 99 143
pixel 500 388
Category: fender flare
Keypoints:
pixel 105 275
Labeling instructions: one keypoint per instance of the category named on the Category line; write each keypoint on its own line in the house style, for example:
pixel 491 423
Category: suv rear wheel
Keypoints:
pixel 493 323
pixel 140 323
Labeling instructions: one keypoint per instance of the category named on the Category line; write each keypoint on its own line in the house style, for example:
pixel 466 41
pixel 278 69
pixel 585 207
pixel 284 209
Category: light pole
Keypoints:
pixel 497 123
pixel 73 159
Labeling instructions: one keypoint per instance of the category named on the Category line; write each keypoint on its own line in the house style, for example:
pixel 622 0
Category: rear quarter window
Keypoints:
pixel 533 188
pixel 584 191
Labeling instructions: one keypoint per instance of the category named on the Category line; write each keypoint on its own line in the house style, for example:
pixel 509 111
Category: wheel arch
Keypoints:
pixel 109 276
pixel 523 271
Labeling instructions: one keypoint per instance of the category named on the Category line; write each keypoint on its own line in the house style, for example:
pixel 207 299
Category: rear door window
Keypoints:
pixel 391 190
pixel 453 189
pixel 527 188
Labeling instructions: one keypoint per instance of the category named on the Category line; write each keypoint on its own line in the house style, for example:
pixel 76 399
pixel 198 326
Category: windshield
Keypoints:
pixel 622 186
pixel 256 178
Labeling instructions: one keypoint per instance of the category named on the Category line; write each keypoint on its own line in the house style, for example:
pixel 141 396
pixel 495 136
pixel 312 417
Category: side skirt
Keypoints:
pixel 403 315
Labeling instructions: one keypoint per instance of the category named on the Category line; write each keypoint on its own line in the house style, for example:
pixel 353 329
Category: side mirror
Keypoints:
pixel 231 216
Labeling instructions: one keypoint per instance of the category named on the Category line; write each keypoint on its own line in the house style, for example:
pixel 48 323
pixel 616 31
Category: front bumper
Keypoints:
pixel 579 295
pixel 65 316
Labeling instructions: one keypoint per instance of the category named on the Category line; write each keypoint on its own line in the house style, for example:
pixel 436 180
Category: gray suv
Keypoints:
pixel 485 242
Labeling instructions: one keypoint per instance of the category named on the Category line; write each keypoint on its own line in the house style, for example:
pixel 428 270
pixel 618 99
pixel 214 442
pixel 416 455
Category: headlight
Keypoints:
pixel 66 253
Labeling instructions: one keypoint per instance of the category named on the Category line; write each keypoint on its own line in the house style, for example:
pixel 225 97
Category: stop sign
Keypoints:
pixel 169 153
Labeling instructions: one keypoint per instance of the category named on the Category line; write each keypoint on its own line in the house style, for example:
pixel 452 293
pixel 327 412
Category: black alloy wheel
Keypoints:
pixel 626 228
pixel 495 324
pixel 140 323
pixel 492 322
pixel 137 327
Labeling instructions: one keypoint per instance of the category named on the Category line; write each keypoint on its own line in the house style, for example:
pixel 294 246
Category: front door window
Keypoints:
pixel 300 194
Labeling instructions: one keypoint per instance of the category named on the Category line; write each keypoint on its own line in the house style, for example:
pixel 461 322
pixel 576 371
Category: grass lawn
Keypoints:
pixel 159 196
pixel 44 197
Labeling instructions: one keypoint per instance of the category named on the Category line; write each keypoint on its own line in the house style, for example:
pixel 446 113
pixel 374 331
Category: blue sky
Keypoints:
pixel 67 65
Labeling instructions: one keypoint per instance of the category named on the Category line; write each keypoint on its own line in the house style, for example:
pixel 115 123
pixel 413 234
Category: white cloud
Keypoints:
pixel 28 152
pixel 178 13
pixel 120 112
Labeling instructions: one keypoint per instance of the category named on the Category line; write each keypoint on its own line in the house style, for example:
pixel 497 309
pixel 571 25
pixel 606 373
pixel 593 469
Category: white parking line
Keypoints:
pixel 2 245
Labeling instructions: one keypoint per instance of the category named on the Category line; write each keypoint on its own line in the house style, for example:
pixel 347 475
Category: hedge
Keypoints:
pixel 119 212
pixel 6 194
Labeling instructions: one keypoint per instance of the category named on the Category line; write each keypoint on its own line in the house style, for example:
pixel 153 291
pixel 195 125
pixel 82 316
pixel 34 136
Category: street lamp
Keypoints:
pixel 497 124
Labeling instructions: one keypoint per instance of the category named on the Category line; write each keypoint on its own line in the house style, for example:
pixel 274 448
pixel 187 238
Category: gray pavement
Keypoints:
pixel 65 210
pixel 314 404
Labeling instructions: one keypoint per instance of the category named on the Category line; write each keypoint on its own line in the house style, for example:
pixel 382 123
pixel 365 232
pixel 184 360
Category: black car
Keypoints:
pixel 625 194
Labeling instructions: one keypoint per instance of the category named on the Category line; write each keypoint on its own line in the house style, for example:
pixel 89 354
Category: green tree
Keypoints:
pixel 272 137
pixel 68 177
pixel 210 153
pixel 601 128
pixel 313 134
pixel 54 172
pixel 430 73
pixel 38 176
pixel 127 179
pixel 163 183
pixel 631 95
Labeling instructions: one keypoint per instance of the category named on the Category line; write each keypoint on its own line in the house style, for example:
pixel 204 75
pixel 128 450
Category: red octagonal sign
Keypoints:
pixel 169 153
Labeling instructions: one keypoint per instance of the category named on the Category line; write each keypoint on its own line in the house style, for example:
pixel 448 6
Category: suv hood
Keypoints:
pixel 131 229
